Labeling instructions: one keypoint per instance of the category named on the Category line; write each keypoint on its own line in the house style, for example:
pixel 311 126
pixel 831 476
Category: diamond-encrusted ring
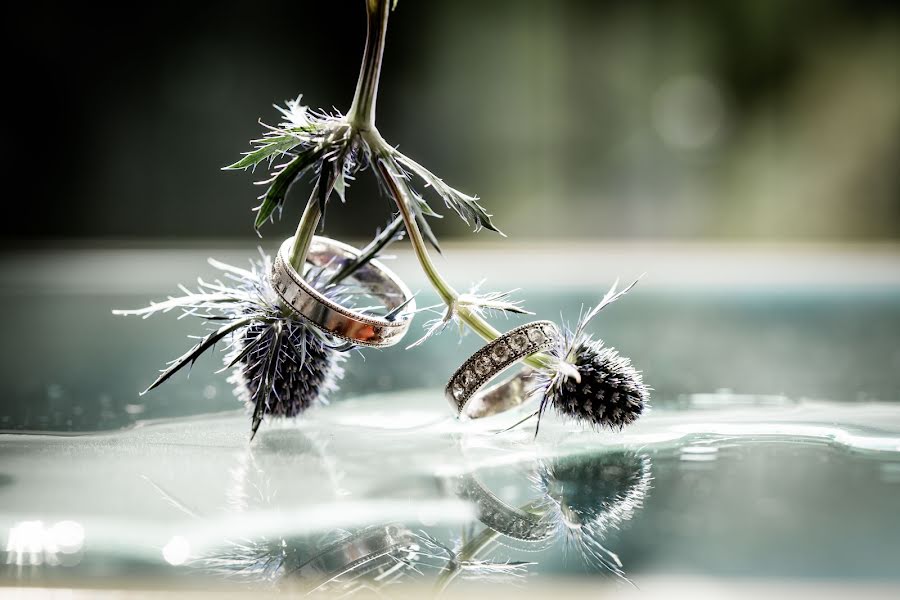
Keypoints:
pixel 374 278
pixel 464 389
pixel 500 516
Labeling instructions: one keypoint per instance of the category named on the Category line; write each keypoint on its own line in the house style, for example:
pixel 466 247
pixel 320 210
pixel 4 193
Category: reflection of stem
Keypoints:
pixel 480 543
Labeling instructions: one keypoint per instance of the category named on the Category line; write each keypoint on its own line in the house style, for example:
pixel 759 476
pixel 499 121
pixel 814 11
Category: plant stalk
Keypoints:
pixel 305 231
pixel 476 546
pixel 361 117
pixel 362 112
pixel 446 291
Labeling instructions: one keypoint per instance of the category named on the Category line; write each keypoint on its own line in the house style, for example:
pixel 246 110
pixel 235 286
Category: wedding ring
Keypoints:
pixel 375 279
pixel 463 391
pixel 368 552
pixel 501 517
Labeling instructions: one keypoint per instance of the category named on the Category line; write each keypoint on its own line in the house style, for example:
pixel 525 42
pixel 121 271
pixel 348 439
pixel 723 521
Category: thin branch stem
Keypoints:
pixel 361 117
pixel 305 231
pixel 362 111
pixel 472 549
pixel 400 193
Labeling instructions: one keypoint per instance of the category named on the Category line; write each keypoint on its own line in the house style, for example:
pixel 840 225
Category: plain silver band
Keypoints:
pixel 462 390
pixel 329 316
pixel 369 547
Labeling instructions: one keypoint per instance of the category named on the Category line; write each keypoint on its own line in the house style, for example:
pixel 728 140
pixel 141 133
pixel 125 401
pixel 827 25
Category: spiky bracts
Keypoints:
pixel 283 369
pixel 331 150
pixel 282 366
pixel 607 391
pixel 591 382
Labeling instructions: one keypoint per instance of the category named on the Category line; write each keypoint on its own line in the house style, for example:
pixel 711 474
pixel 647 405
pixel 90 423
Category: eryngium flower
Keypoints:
pixel 299 381
pixel 282 366
pixel 599 492
pixel 607 392
pixel 592 382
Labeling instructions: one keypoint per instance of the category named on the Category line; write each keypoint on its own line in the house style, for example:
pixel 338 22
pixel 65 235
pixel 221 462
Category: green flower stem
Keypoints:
pixel 470 551
pixel 362 112
pixel 361 117
pixel 305 231
pixel 449 296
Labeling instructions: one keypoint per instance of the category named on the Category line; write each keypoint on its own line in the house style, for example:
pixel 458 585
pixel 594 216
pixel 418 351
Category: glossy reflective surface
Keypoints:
pixel 795 473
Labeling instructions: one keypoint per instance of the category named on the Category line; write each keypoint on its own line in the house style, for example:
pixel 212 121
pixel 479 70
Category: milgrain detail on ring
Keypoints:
pixel 293 291
pixel 329 316
pixel 495 357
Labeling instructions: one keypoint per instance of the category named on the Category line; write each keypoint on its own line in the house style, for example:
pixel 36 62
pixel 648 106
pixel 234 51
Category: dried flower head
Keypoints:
pixel 282 363
pixel 591 382
pixel 282 366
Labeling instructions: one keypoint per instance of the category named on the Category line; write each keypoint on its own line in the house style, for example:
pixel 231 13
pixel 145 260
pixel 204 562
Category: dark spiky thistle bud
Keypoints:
pixel 591 382
pixel 282 366
pixel 599 491
pixel 283 363
pixel 608 391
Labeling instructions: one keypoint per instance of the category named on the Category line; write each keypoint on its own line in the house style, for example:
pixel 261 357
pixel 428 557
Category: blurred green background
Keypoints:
pixel 747 119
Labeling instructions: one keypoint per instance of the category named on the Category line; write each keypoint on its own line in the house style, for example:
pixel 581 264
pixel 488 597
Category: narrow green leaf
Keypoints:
pixel 340 186
pixel 467 207
pixel 268 147
pixel 391 233
pixel 422 220
pixel 325 185
pixel 281 183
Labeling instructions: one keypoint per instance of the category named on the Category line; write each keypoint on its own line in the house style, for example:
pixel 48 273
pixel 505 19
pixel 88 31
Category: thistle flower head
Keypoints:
pixel 592 382
pixel 282 366
pixel 282 363
pixel 594 492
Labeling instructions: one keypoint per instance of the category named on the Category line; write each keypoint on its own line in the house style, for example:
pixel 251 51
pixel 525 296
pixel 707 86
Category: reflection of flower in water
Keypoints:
pixel 342 561
pixel 338 562
pixel 581 499
pixel 588 496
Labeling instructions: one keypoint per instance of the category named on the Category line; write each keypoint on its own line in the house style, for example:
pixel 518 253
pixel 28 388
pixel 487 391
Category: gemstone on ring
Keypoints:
pixel 518 341
pixel 482 365
pixel 464 390
pixel 500 353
